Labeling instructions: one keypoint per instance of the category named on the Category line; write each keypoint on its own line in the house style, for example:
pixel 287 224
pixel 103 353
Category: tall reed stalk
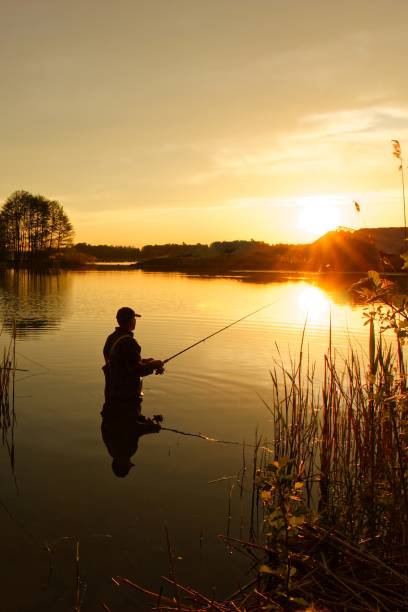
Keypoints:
pixel 7 409
pixel 396 146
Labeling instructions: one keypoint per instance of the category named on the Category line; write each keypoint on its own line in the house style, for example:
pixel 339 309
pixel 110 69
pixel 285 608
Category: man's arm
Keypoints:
pixel 142 367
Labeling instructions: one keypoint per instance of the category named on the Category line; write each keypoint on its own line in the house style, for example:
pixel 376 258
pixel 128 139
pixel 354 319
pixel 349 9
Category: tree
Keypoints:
pixel 33 226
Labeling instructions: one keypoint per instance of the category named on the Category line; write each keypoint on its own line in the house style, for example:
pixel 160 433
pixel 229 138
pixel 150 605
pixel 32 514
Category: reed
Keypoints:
pixel 334 484
pixel 396 151
pixel 7 408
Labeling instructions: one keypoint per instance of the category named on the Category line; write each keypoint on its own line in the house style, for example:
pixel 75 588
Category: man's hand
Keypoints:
pixel 158 366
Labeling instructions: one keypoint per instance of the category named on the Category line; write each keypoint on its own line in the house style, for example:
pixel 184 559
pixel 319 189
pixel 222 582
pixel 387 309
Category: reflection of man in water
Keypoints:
pixel 124 366
pixel 121 435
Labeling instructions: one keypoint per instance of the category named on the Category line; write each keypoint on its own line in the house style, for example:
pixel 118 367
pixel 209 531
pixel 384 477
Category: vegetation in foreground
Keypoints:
pixel 334 485
pixel 331 485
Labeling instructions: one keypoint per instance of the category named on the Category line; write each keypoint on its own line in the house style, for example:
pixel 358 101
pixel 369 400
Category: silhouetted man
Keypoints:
pixel 124 366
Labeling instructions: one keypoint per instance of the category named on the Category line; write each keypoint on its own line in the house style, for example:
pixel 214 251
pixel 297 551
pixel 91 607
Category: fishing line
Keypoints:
pixel 202 436
pixel 41 365
pixel 33 374
pixel 215 333
pixel 209 439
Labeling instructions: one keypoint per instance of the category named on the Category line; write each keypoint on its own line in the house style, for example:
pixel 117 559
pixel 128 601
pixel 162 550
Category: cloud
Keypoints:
pixel 319 141
pixel 359 125
pixel 344 200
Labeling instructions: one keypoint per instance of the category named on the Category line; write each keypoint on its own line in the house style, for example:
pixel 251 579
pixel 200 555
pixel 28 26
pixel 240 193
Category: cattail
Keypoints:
pixel 397 148
pixel 398 154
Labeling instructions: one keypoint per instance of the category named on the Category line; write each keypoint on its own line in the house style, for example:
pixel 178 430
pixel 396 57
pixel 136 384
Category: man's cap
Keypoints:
pixel 125 314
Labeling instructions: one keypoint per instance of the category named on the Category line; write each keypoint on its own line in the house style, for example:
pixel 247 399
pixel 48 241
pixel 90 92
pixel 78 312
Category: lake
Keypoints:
pixel 63 489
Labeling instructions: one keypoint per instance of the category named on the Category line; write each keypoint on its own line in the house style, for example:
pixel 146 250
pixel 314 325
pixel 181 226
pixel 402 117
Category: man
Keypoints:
pixel 124 366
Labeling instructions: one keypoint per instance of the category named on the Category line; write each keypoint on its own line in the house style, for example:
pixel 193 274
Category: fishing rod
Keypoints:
pixel 215 333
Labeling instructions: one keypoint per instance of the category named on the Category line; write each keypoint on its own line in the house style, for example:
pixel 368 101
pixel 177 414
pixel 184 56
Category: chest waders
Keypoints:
pixel 106 367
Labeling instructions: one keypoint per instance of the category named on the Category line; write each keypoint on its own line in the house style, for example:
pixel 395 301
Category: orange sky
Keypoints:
pixel 170 121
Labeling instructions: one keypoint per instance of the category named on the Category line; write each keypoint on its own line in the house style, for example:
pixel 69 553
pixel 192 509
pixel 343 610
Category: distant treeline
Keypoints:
pixel 150 251
pixel 341 251
pixel 236 253
pixel 106 252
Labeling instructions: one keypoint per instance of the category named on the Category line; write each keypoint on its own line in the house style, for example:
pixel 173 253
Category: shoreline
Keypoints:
pixel 203 271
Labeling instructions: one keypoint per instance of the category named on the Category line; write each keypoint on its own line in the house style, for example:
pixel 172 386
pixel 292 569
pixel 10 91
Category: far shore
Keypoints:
pixel 342 251
pixel 202 271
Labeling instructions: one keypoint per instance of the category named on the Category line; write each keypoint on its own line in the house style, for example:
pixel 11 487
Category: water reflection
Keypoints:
pixel 34 301
pixel 337 286
pixel 121 433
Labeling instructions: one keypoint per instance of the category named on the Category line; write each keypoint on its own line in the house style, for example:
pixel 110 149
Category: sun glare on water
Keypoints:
pixel 314 305
pixel 317 216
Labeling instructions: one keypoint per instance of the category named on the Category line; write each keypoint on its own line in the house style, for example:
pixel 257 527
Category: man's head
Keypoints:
pixel 126 317
pixel 121 466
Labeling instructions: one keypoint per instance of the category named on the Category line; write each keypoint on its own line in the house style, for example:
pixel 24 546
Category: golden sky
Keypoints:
pixel 158 121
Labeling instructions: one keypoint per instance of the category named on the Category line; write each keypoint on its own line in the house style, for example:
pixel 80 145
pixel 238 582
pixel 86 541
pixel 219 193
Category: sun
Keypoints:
pixel 317 216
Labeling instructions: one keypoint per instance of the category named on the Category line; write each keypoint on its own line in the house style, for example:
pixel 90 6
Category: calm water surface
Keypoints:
pixel 63 489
